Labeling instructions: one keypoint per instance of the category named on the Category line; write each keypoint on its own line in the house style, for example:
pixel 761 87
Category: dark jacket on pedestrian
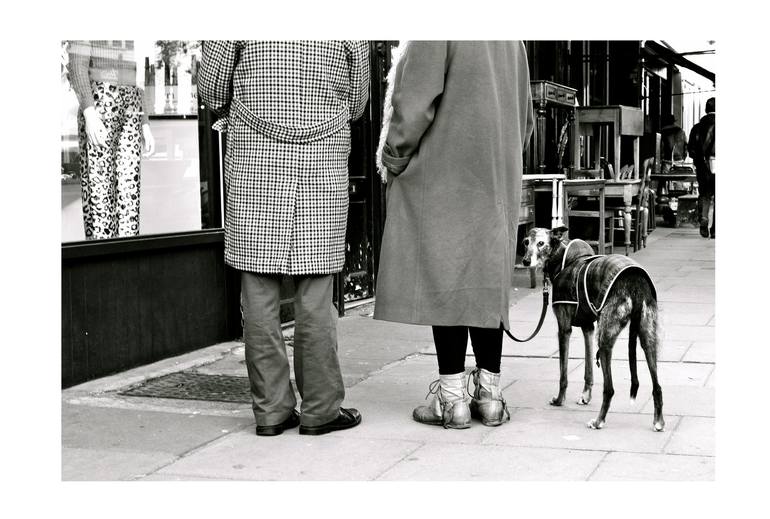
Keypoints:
pixel 701 144
pixel 674 143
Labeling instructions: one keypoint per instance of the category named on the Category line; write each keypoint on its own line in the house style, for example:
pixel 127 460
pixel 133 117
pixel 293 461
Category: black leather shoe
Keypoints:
pixel 347 418
pixel 274 430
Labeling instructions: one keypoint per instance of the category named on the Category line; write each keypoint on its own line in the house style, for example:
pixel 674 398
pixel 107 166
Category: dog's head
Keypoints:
pixel 541 244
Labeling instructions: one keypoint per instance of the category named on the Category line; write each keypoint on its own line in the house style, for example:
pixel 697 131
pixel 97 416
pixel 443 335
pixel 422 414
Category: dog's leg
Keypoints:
pixel 649 339
pixel 588 375
pixel 633 332
pixel 612 320
pixel 564 318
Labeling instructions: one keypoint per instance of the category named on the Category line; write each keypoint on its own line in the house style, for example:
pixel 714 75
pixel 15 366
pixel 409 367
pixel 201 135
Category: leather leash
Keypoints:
pixel 546 291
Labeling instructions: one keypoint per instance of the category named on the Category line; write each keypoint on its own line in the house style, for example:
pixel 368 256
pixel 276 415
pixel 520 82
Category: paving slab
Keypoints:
pixel 669 374
pixel 686 401
pixel 567 430
pixel 176 477
pixel 392 420
pixel 290 457
pixel 701 351
pixel 101 428
pixel 668 351
pixel 676 332
pixel 623 466
pixel 109 465
pixel 681 293
pixel 437 462
pixel 516 368
pixel 535 394
pixel 380 339
pixel 704 280
pixel 694 435
pixel 685 314
pixel 233 364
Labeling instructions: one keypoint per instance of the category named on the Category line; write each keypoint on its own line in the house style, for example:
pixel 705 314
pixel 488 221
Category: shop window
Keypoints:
pixel 130 145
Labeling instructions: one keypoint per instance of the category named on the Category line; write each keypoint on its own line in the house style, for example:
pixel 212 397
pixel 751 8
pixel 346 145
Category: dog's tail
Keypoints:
pixel 643 326
pixel 633 333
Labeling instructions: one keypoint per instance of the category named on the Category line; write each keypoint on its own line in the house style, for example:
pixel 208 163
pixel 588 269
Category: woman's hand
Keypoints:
pixel 149 140
pixel 95 130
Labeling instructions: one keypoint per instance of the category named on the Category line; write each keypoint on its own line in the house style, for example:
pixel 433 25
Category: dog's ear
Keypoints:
pixel 559 233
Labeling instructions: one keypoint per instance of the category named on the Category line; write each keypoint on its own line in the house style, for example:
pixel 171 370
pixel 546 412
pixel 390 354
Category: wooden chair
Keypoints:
pixel 602 215
pixel 641 210
pixel 646 207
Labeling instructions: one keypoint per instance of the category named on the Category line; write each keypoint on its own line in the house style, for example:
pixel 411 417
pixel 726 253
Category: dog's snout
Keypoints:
pixel 525 261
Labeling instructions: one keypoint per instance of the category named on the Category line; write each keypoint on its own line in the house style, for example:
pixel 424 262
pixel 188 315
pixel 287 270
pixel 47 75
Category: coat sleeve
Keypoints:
pixel 358 57
pixel 417 90
pixel 215 81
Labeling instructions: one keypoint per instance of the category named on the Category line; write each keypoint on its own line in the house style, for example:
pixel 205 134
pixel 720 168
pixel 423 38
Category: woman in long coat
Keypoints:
pixel 287 107
pixel 461 118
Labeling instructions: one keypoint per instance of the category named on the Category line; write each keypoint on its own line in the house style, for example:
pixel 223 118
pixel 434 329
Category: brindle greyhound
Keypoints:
pixel 610 290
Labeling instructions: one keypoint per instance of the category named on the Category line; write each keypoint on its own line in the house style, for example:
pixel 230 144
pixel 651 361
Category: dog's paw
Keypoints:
pixel 659 426
pixel 595 424
pixel 556 401
pixel 584 399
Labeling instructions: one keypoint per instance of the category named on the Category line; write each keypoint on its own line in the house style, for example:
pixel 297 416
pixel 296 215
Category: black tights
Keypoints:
pixel 452 341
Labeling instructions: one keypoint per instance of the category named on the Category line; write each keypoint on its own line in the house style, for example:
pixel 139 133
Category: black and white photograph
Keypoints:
pixel 283 238
pixel 417 261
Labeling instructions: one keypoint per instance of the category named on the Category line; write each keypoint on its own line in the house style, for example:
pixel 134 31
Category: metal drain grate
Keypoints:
pixel 194 386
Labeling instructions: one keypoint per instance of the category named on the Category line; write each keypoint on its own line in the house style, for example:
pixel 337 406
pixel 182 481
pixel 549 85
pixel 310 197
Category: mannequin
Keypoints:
pixel 113 131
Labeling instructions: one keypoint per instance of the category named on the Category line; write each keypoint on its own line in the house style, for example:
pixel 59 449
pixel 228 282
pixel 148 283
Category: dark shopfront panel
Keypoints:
pixel 131 301
pixel 122 308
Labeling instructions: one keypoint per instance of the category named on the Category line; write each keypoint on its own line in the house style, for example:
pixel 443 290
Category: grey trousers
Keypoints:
pixel 316 366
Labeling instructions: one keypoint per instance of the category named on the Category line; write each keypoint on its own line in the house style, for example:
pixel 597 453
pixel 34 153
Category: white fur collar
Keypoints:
pixel 387 112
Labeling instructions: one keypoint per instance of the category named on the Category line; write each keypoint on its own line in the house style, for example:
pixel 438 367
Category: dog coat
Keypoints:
pixel 585 279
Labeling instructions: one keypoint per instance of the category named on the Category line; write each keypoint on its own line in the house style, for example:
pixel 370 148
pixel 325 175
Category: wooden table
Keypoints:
pixel 622 121
pixel 551 183
pixel 617 193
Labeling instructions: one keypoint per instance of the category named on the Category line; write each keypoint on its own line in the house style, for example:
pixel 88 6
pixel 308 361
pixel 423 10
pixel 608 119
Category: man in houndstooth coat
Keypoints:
pixel 286 107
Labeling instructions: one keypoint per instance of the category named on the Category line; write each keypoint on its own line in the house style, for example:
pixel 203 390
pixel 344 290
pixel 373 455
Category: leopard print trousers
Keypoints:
pixel 109 175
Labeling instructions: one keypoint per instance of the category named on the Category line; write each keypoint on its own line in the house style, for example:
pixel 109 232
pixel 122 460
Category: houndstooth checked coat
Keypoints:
pixel 286 107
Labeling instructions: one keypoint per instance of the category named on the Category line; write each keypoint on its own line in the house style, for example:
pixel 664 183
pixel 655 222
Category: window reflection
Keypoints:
pixel 130 150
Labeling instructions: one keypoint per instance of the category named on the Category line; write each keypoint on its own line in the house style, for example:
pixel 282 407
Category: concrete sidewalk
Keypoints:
pixel 387 369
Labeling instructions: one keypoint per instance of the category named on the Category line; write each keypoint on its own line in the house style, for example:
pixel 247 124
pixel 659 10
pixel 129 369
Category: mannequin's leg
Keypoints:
pixel 85 181
pixel 98 184
pixel 129 156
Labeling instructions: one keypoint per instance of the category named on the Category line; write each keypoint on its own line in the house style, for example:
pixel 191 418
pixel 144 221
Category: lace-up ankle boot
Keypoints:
pixel 448 407
pixel 488 404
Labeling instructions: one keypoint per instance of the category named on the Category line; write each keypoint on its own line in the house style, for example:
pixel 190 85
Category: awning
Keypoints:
pixel 670 56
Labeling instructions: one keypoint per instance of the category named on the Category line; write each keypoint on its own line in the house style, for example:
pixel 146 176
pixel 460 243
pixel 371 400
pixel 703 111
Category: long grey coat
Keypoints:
pixel 462 115
pixel 287 107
